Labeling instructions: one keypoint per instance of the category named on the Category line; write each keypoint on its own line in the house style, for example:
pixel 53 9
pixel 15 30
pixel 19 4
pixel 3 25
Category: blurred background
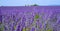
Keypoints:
pixel 29 2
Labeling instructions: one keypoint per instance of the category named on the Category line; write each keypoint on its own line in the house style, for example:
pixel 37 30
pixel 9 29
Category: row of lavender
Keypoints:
pixel 43 20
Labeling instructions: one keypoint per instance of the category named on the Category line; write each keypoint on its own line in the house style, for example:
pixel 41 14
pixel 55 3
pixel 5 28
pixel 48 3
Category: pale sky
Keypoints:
pixel 29 2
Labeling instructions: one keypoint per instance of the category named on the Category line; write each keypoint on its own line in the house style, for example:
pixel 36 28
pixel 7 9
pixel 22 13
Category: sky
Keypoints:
pixel 29 2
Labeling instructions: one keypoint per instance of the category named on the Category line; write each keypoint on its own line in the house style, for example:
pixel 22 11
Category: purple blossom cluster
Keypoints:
pixel 30 18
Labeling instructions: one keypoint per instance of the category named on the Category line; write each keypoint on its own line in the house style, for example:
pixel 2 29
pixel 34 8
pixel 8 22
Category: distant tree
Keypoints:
pixel 35 5
pixel 32 5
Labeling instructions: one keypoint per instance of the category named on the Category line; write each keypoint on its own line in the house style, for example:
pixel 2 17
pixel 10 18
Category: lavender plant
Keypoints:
pixel 28 21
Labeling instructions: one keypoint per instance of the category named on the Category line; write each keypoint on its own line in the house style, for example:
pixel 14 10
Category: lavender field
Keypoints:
pixel 30 18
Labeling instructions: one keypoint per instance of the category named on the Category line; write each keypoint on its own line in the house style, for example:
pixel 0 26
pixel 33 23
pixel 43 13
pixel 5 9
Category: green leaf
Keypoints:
pixel 49 30
pixel 1 29
pixel 36 16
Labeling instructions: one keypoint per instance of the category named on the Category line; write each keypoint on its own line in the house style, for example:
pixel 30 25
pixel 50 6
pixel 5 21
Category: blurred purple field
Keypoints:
pixel 30 18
